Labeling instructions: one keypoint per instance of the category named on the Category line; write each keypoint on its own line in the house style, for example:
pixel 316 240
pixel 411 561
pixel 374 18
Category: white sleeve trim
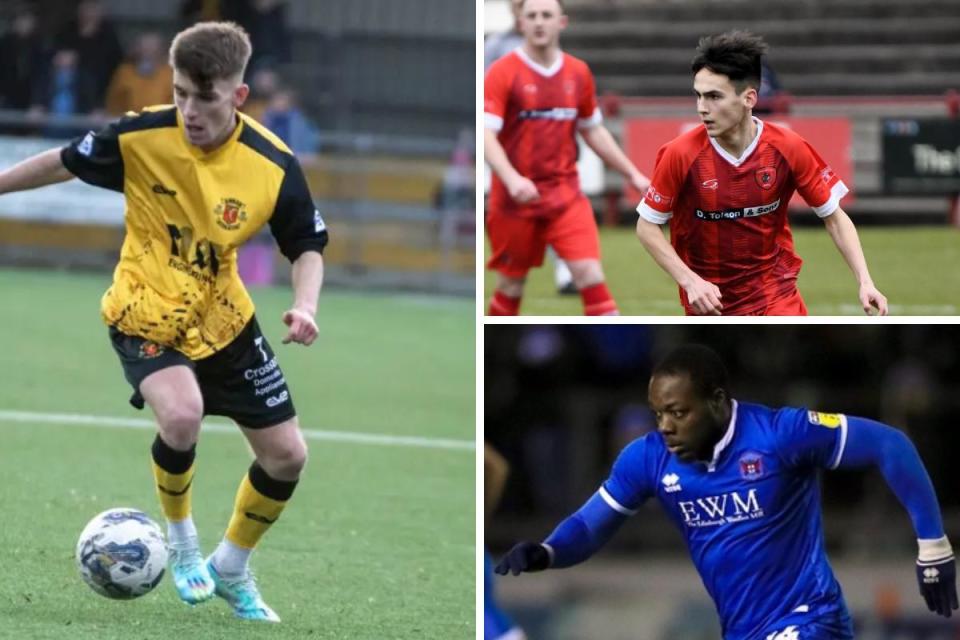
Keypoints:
pixel 613 504
pixel 550 553
pixel 843 441
pixel 837 191
pixel 492 122
pixel 595 118
pixel 650 214
pixel 934 551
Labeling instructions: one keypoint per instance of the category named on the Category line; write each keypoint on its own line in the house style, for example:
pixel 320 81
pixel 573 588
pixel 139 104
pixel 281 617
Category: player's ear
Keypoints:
pixel 750 97
pixel 240 94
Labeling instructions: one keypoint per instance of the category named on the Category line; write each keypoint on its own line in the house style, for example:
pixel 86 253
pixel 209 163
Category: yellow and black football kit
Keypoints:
pixel 186 213
pixel 176 296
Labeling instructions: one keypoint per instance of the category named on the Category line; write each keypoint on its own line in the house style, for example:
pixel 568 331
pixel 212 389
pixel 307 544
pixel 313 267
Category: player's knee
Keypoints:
pixel 287 461
pixel 180 423
pixel 512 287
pixel 586 273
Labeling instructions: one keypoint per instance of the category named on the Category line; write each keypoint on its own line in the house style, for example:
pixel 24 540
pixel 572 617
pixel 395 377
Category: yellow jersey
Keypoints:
pixel 187 211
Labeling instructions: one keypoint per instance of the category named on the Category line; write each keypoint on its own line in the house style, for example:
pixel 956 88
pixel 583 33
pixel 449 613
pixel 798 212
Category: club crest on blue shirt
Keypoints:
pixel 751 466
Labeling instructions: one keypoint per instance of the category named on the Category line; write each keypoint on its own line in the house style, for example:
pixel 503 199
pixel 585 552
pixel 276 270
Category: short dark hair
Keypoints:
pixel 210 51
pixel 704 366
pixel 735 54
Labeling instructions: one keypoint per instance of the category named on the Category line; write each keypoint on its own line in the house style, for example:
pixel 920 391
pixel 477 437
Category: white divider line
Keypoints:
pixel 223 427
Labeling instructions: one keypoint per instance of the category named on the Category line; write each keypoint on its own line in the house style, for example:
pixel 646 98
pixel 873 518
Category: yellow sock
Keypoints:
pixel 174 490
pixel 253 513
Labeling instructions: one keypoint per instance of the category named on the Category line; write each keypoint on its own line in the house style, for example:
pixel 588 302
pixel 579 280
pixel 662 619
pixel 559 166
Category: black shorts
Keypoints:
pixel 242 382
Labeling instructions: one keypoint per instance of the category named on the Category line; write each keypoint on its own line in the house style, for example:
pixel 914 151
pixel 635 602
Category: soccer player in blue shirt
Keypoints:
pixel 740 482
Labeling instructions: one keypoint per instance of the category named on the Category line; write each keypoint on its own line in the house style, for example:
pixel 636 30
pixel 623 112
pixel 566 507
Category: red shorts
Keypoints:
pixel 518 243
pixel 791 305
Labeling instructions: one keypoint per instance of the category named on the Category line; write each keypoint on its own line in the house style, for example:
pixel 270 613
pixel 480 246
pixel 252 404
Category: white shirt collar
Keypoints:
pixel 746 152
pixel 539 68
pixel 726 439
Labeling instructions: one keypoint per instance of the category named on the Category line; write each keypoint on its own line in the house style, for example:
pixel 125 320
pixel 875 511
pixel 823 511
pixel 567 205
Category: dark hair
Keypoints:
pixel 210 51
pixel 735 54
pixel 701 363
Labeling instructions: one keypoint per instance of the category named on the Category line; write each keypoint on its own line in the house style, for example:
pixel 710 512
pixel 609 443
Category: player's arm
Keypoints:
pixel 845 237
pixel 703 296
pixel 37 171
pixel 495 472
pixel 599 138
pixel 520 188
pixel 870 443
pixel 301 235
pixel 586 531
pixel 573 541
pixel 307 278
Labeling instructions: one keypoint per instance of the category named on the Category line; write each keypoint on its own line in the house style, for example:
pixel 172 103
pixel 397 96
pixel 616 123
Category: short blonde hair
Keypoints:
pixel 210 51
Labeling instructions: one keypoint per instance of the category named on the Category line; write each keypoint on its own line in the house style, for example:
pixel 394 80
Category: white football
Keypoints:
pixel 121 554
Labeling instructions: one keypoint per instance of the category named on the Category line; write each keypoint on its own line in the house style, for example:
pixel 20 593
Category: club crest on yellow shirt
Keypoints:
pixel 230 213
pixel 828 420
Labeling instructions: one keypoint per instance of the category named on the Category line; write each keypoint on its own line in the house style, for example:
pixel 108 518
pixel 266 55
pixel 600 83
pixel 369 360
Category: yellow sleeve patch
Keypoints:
pixel 828 420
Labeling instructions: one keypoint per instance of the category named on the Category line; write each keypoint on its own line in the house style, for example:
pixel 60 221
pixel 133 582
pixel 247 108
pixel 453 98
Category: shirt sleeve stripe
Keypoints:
pixel 613 504
pixel 843 442
pixel 595 118
pixel 837 191
pixel 650 214
pixel 550 552
pixel 492 122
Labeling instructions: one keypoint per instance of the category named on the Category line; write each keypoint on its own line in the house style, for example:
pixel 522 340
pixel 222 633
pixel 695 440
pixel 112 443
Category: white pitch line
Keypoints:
pixel 221 427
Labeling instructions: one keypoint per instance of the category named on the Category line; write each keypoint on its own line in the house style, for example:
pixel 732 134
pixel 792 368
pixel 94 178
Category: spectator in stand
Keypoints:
pixel 263 87
pixel 193 11
pixel 65 95
pixel 285 118
pixel 25 61
pixel 266 22
pixel 94 39
pixel 145 80
pixel 770 89
pixel 500 44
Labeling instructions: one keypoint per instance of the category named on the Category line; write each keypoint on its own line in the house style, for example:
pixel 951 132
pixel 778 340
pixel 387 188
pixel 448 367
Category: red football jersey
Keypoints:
pixel 728 216
pixel 536 111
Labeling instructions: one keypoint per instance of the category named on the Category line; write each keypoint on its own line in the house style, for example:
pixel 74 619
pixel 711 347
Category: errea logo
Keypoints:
pixel 931 575
pixel 671 483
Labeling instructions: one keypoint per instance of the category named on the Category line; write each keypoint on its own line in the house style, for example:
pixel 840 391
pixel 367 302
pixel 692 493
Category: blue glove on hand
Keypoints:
pixel 938 585
pixel 526 556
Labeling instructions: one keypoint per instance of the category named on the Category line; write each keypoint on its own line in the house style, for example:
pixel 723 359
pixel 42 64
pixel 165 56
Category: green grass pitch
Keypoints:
pixel 378 541
pixel 915 267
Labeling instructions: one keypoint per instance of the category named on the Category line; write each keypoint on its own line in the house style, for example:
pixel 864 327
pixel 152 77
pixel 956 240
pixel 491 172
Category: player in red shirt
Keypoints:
pixel 725 188
pixel 535 101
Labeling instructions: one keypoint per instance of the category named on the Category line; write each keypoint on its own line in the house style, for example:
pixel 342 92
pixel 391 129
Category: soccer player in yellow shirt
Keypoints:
pixel 199 179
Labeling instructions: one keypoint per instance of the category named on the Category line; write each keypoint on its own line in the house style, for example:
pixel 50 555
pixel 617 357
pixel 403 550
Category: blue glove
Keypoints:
pixel 938 585
pixel 526 556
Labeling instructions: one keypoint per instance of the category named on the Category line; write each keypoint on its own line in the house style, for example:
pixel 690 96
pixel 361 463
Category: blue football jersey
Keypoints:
pixel 750 517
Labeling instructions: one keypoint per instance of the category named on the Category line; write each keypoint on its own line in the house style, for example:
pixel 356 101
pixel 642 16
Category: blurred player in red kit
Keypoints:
pixel 725 189
pixel 536 99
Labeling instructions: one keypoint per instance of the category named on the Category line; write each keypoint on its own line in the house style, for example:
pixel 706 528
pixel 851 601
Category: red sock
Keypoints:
pixel 503 305
pixel 597 301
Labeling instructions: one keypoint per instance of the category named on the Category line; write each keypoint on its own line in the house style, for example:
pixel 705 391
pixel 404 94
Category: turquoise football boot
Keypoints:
pixel 190 576
pixel 242 594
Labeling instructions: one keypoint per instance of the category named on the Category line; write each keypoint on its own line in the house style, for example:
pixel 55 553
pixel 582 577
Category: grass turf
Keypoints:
pixel 912 266
pixel 378 541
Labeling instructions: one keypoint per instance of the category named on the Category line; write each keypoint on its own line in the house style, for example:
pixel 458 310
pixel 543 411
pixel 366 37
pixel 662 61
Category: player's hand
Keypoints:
pixel 526 556
pixel 704 297
pixel 641 183
pixel 522 190
pixel 872 299
pixel 302 327
pixel 938 585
